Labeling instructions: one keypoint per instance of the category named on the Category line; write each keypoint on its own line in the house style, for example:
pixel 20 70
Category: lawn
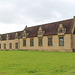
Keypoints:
pixel 37 63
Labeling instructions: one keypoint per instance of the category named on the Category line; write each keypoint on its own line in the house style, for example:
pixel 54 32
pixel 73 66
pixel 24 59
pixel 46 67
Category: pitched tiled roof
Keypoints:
pixel 50 29
pixel 3 37
pixel 11 35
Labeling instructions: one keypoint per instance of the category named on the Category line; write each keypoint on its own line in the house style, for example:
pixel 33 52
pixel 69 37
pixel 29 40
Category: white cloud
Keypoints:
pixel 6 28
pixel 57 14
pixel 71 1
pixel 16 14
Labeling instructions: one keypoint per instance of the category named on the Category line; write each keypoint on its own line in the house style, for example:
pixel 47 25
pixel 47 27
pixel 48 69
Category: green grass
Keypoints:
pixel 36 63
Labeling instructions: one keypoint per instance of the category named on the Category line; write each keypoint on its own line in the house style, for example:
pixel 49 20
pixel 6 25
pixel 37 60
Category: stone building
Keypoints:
pixel 57 36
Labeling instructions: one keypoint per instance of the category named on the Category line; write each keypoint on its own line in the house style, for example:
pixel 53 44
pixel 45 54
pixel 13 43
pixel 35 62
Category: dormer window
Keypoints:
pixel 60 31
pixel 24 35
pixel 40 33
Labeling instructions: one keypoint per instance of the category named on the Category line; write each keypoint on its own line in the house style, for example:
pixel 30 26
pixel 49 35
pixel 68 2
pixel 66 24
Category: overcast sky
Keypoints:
pixel 16 14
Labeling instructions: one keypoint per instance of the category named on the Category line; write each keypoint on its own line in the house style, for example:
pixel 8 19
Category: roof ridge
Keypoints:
pixel 12 32
pixel 39 25
pixel 50 23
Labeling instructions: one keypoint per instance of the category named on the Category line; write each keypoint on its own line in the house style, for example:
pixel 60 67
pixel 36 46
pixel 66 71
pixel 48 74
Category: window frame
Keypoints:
pixel 24 42
pixel 40 32
pixel 50 42
pixel 24 35
pixel 31 41
pixel 40 42
pixel 4 45
pixel 10 45
pixel 61 43
pixel 60 31
pixel 16 45
pixel 0 46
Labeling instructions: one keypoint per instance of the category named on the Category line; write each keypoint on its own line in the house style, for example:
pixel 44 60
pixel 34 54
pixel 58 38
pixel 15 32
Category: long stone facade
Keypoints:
pixel 57 36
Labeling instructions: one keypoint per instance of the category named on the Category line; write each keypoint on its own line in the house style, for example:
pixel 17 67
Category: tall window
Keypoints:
pixel 16 45
pixel 40 41
pixel 0 46
pixel 61 41
pixel 50 42
pixel 10 45
pixel 4 46
pixel 24 42
pixel 31 42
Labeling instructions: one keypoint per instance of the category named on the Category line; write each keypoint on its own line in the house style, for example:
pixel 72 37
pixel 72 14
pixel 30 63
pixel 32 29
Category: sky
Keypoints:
pixel 16 14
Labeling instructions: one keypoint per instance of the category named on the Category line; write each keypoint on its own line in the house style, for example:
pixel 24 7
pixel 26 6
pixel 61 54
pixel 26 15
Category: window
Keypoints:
pixel 4 46
pixel 60 31
pixel 40 33
pixel 61 41
pixel 0 46
pixel 24 35
pixel 24 42
pixel 10 45
pixel 50 42
pixel 40 41
pixel 31 42
pixel 16 45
